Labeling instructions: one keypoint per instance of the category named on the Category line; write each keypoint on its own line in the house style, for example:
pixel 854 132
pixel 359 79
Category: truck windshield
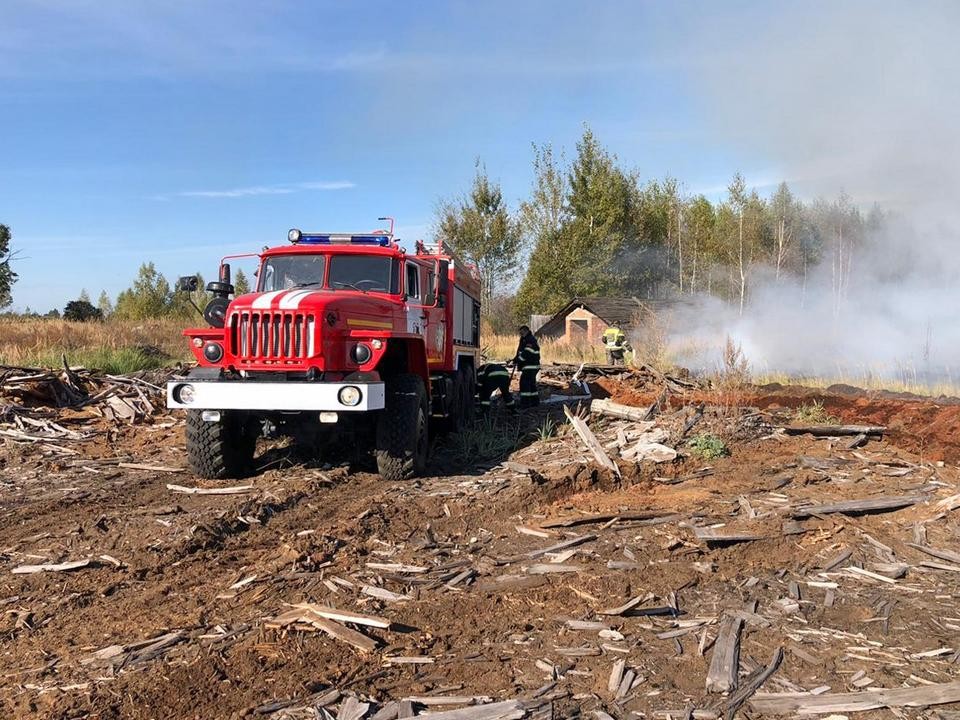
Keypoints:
pixel 289 271
pixel 367 273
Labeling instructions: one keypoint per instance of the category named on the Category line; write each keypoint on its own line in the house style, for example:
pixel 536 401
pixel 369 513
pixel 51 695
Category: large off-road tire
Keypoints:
pixel 402 438
pixel 223 449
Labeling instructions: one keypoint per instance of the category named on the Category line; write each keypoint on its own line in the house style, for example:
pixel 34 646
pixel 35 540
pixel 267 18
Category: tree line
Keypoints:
pixel 588 226
pixel 149 296
pixel 591 227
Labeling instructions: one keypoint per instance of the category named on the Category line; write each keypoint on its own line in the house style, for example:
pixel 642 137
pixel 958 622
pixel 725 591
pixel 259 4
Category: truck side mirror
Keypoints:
pixel 188 283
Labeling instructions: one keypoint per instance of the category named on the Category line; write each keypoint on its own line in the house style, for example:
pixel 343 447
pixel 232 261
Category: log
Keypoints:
pixel 604 517
pixel 859 507
pixel 722 676
pixel 624 412
pixel 792 704
pixel 834 430
pixel 590 440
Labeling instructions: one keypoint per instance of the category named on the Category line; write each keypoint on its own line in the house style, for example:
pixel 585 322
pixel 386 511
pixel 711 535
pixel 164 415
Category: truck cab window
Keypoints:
pixel 413 281
pixel 366 273
pixel 283 272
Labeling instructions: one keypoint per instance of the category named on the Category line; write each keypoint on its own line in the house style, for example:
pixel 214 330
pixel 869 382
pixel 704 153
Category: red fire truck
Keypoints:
pixel 346 332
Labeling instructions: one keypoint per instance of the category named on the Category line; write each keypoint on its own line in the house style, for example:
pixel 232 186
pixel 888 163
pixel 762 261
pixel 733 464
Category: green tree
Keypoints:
pixel 786 217
pixel 148 297
pixel 7 276
pixel 84 296
pixel 701 222
pixel 240 283
pixel 592 251
pixel 81 310
pixel 104 304
pixel 480 229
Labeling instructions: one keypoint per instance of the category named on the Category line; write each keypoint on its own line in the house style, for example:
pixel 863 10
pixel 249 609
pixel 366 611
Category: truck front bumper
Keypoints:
pixel 189 394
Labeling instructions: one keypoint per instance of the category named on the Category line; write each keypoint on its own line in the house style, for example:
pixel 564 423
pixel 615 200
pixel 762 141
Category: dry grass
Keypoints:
pixel 502 348
pixel 114 346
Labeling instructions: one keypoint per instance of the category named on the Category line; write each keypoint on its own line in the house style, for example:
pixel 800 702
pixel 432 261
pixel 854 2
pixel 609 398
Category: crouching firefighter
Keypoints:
pixel 492 377
pixel 527 360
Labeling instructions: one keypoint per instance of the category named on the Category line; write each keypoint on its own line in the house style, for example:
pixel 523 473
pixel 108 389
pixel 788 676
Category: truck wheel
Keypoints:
pixel 222 449
pixel 402 441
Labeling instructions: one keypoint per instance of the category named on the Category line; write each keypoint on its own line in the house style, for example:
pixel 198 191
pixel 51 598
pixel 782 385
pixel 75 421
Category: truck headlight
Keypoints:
pixel 184 394
pixel 360 353
pixel 294 235
pixel 213 352
pixel 349 396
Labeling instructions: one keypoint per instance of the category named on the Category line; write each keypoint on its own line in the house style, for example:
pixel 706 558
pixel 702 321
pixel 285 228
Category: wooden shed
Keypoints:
pixel 583 320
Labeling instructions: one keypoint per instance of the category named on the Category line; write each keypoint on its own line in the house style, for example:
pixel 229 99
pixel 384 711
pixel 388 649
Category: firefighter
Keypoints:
pixel 527 360
pixel 615 344
pixel 490 377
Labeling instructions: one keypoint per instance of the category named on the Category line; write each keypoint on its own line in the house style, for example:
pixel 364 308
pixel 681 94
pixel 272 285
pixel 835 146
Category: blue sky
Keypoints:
pixel 180 131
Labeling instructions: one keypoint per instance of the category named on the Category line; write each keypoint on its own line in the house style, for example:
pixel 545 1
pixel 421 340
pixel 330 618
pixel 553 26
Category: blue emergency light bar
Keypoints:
pixel 295 236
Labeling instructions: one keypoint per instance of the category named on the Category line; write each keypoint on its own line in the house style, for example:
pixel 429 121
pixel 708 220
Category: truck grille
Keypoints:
pixel 271 336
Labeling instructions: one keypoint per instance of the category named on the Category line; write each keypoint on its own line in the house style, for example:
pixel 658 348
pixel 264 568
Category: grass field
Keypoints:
pixel 114 346
pixel 126 346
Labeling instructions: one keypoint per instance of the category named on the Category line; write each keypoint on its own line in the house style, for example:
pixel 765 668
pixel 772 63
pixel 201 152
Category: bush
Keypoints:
pixel 708 447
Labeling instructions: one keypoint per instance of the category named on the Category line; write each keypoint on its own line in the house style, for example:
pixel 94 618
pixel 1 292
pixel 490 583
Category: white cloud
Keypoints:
pixel 257 190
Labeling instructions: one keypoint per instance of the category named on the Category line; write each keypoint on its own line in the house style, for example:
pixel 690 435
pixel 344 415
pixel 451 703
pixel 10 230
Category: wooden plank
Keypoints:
pixel 751 684
pixel 835 430
pixel 341 632
pixel 722 536
pixel 793 704
pixel 624 412
pixel 590 440
pixel 725 662
pixel 331 613
pixel 947 555
pixel 235 490
pixel 859 507
pixel 563 545
pixel 604 517
pixel 55 567
pixel 550 568
pixel 507 710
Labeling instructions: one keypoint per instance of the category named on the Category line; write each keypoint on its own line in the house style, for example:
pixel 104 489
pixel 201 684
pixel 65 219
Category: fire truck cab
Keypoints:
pixel 346 331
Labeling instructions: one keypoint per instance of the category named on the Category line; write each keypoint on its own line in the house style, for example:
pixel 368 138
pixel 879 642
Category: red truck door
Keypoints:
pixel 422 317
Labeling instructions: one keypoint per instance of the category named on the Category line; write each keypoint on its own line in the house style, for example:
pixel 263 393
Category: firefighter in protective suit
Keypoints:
pixel 615 344
pixel 491 377
pixel 527 360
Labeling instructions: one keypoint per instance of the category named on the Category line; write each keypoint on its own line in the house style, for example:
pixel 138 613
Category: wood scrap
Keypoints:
pixel 56 567
pixel 624 412
pixel 235 490
pixel 805 704
pixel 725 662
pixel 859 507
pixel 591 442
pixel 834 430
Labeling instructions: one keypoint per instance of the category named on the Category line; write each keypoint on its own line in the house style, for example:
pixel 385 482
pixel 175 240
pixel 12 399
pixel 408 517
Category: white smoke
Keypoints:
pixel 857 97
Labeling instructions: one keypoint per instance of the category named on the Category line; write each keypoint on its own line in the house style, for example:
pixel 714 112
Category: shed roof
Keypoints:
pixel 611 310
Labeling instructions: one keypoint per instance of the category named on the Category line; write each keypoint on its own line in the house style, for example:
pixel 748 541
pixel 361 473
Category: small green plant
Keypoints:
pixel 708 447
pixel 547 429
pixel 813 414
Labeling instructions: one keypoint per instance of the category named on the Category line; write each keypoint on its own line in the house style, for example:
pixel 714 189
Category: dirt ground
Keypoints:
pixel 474 608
